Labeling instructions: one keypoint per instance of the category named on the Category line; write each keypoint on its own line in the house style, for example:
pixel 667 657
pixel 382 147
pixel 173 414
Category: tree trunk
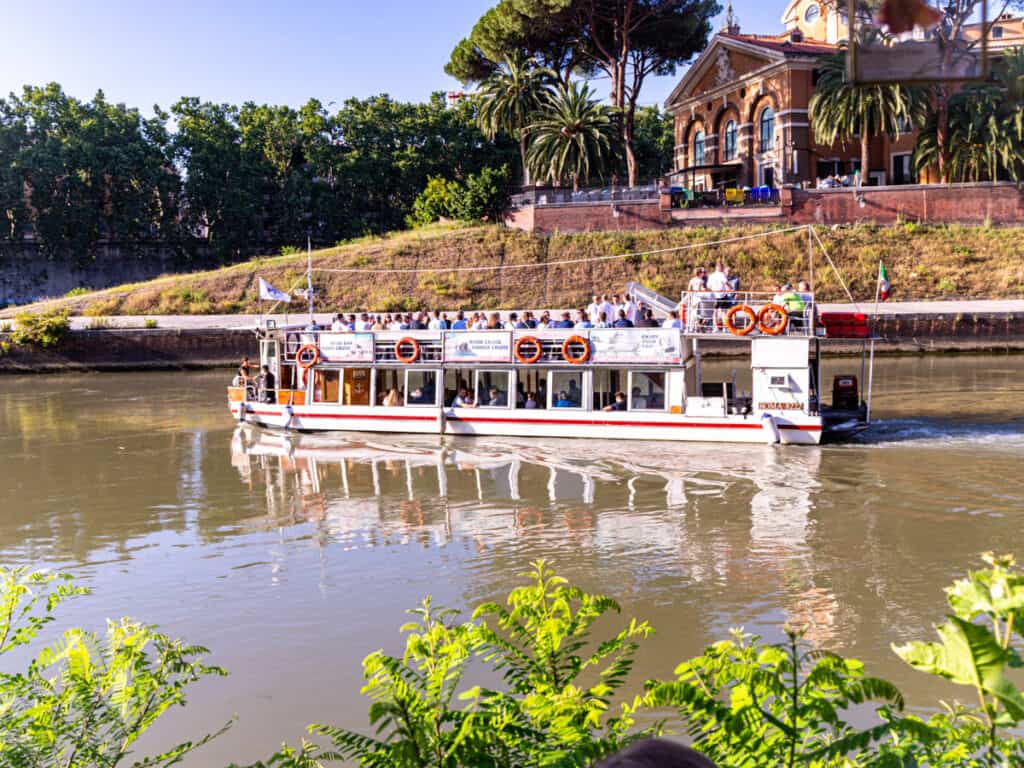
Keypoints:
pixel 627 141
pixel 942 131
pixel 865 155
pixel 522 156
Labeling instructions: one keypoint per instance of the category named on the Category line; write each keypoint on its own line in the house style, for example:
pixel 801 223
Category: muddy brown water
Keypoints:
pixel 292 558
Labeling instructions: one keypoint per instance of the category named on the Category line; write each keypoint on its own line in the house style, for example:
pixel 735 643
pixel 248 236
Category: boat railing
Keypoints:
pixel 744 313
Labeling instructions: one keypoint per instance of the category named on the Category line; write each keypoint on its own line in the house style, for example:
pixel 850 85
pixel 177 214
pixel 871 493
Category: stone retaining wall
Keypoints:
pixel 984 203
pixel 135 349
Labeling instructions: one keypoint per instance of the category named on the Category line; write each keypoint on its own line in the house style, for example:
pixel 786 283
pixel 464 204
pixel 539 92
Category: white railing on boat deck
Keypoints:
pixel 785 313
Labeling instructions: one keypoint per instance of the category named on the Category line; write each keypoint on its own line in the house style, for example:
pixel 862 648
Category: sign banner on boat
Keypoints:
pixel 661 346
pixel 478 347
pixel 346 347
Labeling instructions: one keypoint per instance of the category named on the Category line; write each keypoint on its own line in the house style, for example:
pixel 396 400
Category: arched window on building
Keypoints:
pixel 730 141
pixel 698 148
pixel 767 129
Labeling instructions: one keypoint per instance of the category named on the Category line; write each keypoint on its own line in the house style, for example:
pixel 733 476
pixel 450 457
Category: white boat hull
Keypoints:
pixel 793 428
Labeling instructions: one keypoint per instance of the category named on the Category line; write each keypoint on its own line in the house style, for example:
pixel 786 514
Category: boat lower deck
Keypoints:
pixel 793 428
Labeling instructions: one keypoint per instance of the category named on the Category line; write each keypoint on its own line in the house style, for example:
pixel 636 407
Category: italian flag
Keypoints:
pixel 883 282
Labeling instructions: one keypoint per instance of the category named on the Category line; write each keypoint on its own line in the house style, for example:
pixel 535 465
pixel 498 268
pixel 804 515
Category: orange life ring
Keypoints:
pixel 528 359
pixel 772 330
pixel 304 364
pixel 730 320
pixel 581 358
pixel 413 356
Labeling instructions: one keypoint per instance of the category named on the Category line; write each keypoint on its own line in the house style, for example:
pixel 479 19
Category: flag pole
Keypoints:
pixel 878 288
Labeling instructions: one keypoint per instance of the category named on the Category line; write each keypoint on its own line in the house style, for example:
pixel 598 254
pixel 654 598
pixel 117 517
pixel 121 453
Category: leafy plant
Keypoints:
pixel 751 704
pixel 79 291
pixel 979 655
pixel 86 699
pixel 43 329
pixel 484 196
pixel 150 323
pixel 435 202
pixel 540 643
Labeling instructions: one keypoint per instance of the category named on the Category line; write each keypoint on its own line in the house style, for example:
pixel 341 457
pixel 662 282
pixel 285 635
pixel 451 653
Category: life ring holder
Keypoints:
pixel 404 342
pixel 528 359
pixel 730 320
pixel 772 330
pixel 576 359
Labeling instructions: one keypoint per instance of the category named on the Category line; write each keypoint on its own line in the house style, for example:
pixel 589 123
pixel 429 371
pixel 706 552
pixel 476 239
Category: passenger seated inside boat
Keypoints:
pixel 392 398
pixel 619 404
pixel 531 401
pixel 563 400
pixel 463 399
pixel 497 399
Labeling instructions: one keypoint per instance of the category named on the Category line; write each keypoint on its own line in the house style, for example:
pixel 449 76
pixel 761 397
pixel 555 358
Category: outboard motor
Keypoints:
pixel 845 393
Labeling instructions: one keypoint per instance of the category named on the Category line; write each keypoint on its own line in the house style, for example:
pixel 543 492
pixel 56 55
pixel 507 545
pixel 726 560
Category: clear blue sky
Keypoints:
pixel 267 51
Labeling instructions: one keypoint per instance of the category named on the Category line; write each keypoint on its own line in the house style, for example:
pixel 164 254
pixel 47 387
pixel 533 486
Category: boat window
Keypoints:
pixel 421 388
pixel 326 386
pixel 356 386
pixel 492 389
pixel 287 378
pixel 647 391
pixel 389 387
pixel 608 381
pixel 454 380
pixel 531 388
pixel 566 389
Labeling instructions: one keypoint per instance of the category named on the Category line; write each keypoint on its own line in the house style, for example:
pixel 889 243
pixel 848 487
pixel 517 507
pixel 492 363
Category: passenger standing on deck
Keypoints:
pixel 594 309
pixel 610 311
pixel 338 326
pixel 632 309
pixel 699 280
pixel 602 321
pixel 674 320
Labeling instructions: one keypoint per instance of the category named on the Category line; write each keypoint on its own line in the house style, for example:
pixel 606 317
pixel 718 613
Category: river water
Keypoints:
pixel 292 558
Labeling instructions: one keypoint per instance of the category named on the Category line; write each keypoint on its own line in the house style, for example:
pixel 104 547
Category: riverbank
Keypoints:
pixel 220 341
pixel 492 267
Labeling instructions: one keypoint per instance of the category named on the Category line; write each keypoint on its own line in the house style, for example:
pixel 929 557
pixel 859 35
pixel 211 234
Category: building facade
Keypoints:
pixel 741 110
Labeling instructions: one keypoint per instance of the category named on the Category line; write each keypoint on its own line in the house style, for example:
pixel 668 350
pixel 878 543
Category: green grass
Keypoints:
pixel 923 261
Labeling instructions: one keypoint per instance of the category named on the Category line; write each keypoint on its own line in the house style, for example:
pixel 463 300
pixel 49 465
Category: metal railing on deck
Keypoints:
pixel 744 313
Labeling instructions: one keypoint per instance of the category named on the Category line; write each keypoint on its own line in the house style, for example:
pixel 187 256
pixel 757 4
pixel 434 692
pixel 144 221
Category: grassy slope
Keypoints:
pixel 922 261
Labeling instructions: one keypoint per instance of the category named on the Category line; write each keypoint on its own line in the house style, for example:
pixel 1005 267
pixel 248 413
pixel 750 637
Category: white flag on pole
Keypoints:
pixel 270 293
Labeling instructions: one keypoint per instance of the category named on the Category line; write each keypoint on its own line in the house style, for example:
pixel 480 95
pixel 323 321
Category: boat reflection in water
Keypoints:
pixel 673 513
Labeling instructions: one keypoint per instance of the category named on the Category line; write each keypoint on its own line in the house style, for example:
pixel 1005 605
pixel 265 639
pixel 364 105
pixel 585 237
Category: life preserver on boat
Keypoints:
pixel 412 357
pixel 772 330
pixel 576 359
pixel 528 359
pixel 307 362
pixel 730 320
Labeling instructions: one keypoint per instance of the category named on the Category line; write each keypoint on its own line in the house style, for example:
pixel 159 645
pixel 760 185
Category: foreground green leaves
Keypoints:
pixel 85 700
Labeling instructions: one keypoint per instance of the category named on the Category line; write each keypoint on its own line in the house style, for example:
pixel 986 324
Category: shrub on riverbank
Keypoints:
pixel 923 261
pixel 565 697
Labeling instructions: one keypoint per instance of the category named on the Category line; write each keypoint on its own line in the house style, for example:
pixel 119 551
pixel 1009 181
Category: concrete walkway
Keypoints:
pixel 199 322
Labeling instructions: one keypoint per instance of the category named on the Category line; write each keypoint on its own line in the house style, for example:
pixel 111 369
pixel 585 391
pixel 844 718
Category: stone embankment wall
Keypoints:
pixel 135 349
pixel 1001 203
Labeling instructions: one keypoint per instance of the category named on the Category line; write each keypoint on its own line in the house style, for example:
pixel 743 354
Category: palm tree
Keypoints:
pixel 572 137
pixel 842 111
pixel 509 98
pixel 985 128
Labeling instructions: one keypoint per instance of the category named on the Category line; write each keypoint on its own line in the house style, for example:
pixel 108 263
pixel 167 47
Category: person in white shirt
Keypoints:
pixel 610 311
pixel 673 321
pixel 480 324
pixel 632 310
pixel 365 323
pixel 718 282
pixel 338 326
pixel 434 324
pixel 594 309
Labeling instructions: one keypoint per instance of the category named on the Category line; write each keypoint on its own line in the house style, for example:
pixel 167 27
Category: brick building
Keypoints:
pixel 741 116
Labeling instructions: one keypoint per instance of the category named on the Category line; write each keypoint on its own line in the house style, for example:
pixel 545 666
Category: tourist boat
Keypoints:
pixel 564 382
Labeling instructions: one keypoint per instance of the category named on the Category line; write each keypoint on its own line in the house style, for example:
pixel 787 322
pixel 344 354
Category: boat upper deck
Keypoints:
pixel 702 316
